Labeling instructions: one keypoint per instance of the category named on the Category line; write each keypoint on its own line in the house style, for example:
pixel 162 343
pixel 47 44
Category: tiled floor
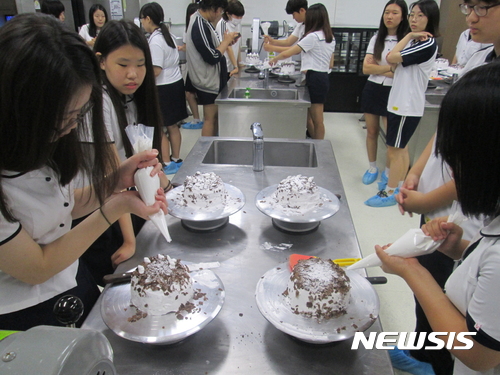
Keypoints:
pixel 373 225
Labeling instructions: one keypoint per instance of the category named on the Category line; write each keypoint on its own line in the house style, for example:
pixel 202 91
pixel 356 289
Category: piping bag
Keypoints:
pixel 412 244
pixel 141 137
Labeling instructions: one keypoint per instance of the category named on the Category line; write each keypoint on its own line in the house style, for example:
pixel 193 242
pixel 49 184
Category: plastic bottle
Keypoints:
pixel 247 93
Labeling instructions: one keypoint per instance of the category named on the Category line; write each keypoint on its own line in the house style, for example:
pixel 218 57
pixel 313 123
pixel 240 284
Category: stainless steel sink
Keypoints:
pixel 277 154
pixel 434 99
pixel 265 94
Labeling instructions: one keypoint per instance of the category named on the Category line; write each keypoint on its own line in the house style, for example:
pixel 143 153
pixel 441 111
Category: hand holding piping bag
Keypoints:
pixel 412 244
pixel 141 137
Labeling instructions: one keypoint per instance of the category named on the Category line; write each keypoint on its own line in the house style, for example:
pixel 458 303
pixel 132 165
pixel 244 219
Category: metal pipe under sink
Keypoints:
pixel 258 147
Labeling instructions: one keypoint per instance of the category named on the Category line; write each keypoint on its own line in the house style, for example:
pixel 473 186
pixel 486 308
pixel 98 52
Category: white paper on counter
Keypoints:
pixel 412 244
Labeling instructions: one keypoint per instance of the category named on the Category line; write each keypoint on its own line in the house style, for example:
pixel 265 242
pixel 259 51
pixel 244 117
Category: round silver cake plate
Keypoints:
pixel 199 220
pixel 362 310
pixel 165 329
pixel 292 220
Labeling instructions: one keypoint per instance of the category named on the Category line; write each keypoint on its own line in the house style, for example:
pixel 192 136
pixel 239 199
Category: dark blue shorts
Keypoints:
pixel 400 129
pixel 318 84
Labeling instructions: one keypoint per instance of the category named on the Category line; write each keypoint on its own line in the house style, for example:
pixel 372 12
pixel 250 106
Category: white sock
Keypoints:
pixel 390 190
pixel 373 165
pixel 387 171
pixel 195 120
pixel 174 159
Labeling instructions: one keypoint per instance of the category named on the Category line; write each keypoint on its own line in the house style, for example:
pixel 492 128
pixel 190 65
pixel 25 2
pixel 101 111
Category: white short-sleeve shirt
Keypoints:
pixel 299 30
pixel 84 33
pixel 481 57
pixel 165 57
pixel 473 289
pixel 466 47
pixel 43 209
pixel 407 96
pixel 389 43
pixel 316 52
pixel 111 121
pixel 222 27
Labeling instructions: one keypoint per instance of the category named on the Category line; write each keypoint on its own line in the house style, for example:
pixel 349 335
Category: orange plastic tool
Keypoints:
pixel 294 258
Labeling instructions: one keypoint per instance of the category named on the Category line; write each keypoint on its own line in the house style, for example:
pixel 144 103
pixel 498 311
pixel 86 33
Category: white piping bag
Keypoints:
pixel 412 244
pixel 141 137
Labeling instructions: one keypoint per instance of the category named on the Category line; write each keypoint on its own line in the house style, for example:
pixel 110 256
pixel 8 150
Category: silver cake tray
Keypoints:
pixel 234 202
pixel 328 206
pixel 362 310
pixel 116 310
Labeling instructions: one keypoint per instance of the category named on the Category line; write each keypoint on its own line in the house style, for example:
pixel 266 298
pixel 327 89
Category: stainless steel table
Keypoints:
pixel 240 340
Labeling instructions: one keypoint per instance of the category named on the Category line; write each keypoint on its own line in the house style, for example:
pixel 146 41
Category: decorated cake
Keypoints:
pixel 204 191
pixel 297 192
pixel 160 285
pixel 287 68
pixel 318 288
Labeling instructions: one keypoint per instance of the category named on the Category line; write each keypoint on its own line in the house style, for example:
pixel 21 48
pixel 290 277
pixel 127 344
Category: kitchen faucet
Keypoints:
pixel 264 74
pixel 258 147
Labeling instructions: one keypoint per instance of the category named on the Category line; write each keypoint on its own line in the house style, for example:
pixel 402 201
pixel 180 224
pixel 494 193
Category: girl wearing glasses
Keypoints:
pixel 393 27
pixel 40 155
pixel 471 302
pixel 412 59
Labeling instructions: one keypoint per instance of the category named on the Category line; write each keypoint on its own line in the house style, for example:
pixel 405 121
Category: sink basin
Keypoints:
pixel 265 94
pixel 434 99
pixel 278 154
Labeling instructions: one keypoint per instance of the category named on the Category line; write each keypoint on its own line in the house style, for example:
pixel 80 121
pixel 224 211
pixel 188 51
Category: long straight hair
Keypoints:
pixel 92 26
pixel 116 34
pixel 468 137
pixel 382 33
pixel 317 19
pixel 155 12
pixel 34 105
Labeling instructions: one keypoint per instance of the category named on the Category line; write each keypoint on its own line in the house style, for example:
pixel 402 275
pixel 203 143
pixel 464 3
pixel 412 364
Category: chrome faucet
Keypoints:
pixel 258 147
pixel 264 74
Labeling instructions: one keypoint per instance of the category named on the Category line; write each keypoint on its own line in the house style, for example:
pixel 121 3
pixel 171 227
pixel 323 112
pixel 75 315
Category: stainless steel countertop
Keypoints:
pixel 240 340
pixel 251 80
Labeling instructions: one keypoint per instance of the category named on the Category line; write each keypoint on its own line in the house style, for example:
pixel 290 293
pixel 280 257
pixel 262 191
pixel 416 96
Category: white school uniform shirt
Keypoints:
pixel 84 33
pixel 299 30
pixel 473 289
pixel 481 57
pixel 316 52
pixel 165 57
pixel 466 47
pixel 389 43
pixel 111 121
pixel 436 173
pixel 222 27
pixel 407 96
pixel 43 208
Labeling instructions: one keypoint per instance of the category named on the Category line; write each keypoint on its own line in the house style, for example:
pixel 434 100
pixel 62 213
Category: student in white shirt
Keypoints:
pixel 483 21
pixel 40 155
pixel 413 58
pixel 466 48
pixel 298 10
pixel 231 22
pixel 316 49
pixel 393 27
pixel 470 301
pixel 97 18
pixel 169 82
